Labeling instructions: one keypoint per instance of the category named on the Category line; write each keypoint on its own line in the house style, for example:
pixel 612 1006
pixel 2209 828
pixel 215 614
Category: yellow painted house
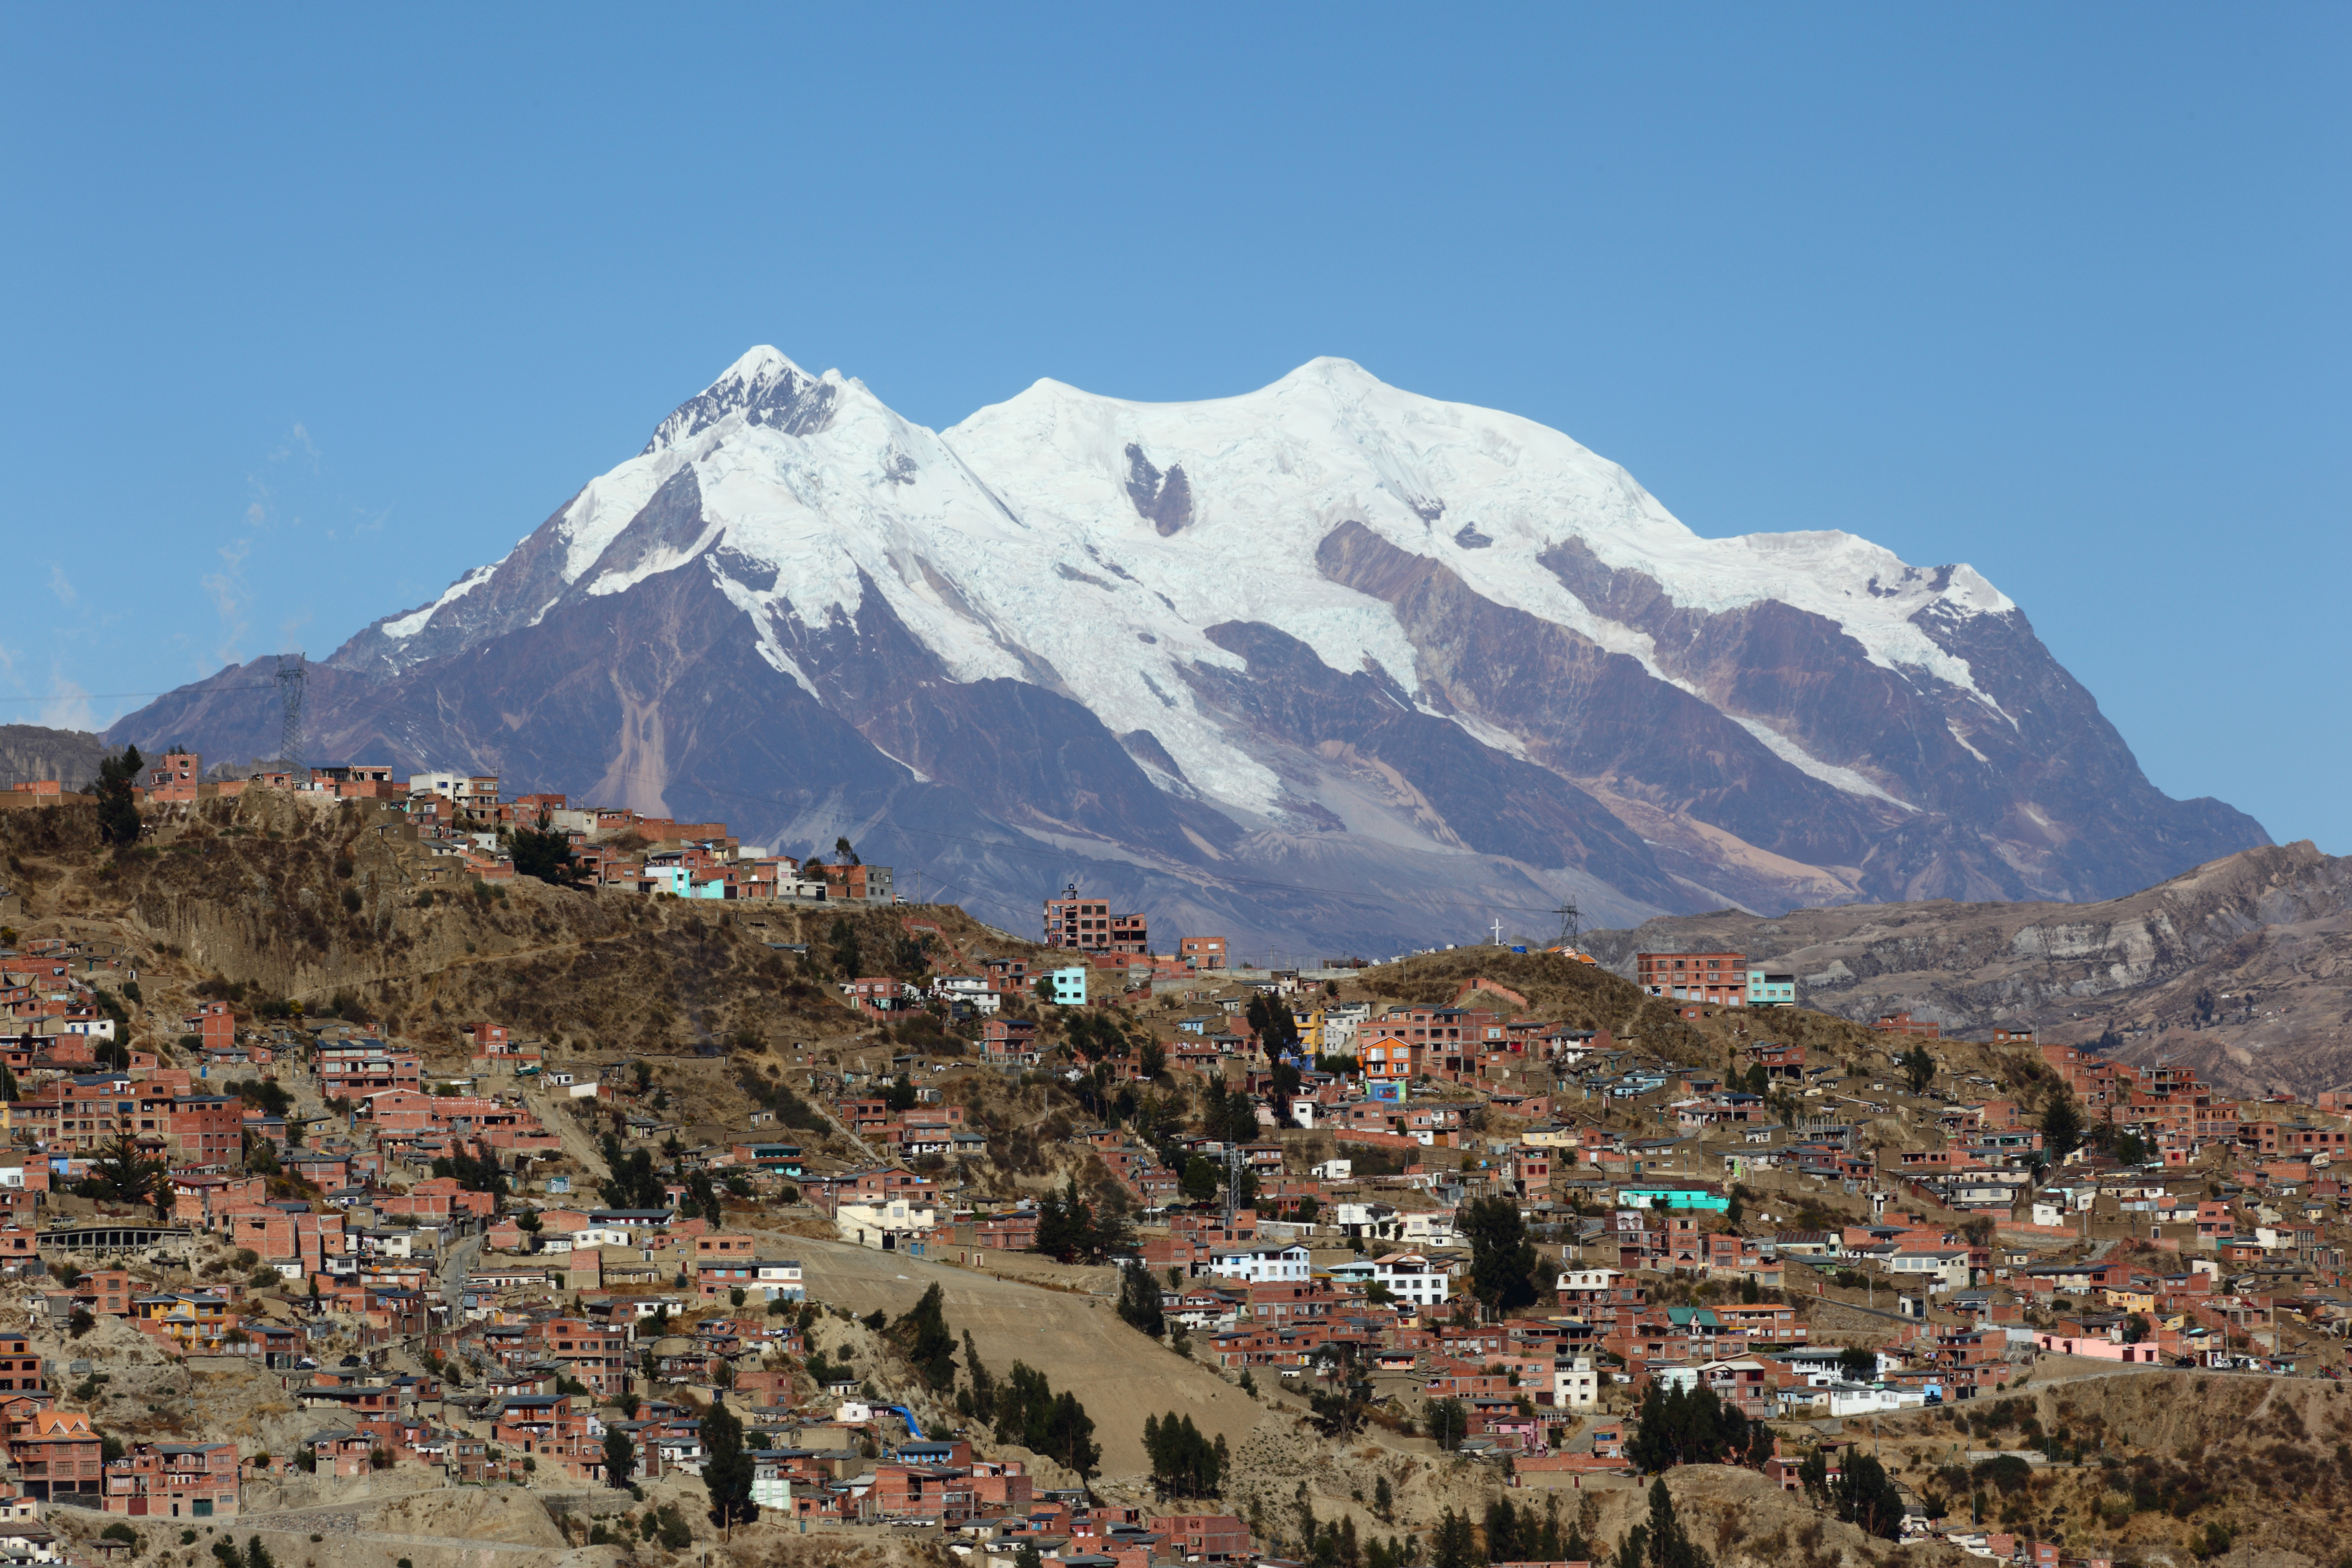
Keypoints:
pixel 198 1323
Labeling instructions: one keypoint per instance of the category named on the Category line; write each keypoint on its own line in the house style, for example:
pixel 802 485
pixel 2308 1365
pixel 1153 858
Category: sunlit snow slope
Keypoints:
pixel 1327 660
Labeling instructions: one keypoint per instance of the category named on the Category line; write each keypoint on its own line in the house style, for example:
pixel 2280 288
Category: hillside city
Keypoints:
pixel 1523 1235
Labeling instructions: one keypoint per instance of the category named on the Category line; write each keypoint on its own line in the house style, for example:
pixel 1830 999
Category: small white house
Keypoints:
pixel 1410 1277
pixel 1259 1265
pixel 1575 1384
pixel 1943 1269
pixel 779 1279
pixel 886 1223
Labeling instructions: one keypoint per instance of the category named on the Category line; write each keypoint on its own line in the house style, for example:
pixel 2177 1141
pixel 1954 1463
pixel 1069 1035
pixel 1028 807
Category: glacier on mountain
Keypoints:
pixel 1011 546
pixel 1332 629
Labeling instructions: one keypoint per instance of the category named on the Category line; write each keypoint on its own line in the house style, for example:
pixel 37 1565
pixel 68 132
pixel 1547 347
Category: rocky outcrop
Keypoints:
pixel 29 753
pixel 2242 967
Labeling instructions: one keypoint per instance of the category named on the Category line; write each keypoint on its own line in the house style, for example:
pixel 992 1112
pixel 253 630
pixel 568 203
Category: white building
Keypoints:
pixel 1854 1399
pixel 1410 1277
pixel 886 1223
pixel 1590 1279
pixel 1370 1220
pixel 1430 1227
pixel 1407 1277
pixel 1575 1384
pixel 1259 1265
pixel 467 790
pixel 971 988
pixel 1944 1270
pixel 778 1280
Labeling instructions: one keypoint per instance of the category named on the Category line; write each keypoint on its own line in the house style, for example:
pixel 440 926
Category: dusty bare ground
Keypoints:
pixel 1078 1341
pixel 2264 1458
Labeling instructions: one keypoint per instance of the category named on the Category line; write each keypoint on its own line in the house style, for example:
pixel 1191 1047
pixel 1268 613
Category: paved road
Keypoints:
pixel 454 1269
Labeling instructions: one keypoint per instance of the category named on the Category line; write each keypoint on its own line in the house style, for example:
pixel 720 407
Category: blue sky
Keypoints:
pixel 306 315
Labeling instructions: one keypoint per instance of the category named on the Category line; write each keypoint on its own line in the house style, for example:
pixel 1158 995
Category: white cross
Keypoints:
pixel 1498 934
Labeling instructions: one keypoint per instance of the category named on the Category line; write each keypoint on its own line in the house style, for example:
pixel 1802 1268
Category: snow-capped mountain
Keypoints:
pixel 1327 661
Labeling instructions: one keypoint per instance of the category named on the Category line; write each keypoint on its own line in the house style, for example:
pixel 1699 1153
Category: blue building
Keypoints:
pixel 1067 987
pixel 1769 988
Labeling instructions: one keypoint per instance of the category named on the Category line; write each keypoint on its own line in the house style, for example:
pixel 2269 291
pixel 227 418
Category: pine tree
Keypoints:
pixel 1867 1497
pixel 1661 1542
pixel 983 1397
pixel 1139 1302
pixel 2062 1125
pixel 1813 1475
pixel 620 1458
pixel 727 1467
pixel 117 812
pixel 1503 1544
pixel 1456 1544
pixel 924 1336
pixel 1502 1260
pixel 1183 1462
pixel 1065 1223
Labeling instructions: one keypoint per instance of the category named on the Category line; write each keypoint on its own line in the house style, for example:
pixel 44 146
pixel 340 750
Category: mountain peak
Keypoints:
pixel 766 387
pixel 1330 369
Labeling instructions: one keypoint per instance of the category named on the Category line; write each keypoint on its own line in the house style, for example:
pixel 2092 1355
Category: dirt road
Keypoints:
pixel 1077 1342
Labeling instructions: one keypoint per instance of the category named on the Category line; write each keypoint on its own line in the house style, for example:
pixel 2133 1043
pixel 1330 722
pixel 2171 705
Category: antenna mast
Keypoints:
pixel 289 695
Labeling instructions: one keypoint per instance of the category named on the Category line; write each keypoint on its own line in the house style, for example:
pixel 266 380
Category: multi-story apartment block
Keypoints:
pixel 1088 925
pixel 1716 978
pixel 1203 951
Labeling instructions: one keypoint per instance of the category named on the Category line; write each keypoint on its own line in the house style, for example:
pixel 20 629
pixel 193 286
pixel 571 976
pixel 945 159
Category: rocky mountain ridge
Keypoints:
pixel 2241 968
pixel 30 752
pixel 1328 664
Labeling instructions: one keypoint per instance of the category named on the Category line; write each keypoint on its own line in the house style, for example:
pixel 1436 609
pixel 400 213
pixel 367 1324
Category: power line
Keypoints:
pixel 102 696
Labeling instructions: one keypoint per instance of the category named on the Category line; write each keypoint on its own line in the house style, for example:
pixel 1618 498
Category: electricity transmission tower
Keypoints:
pixel 290 696
pixel 1232 1176
pixel 1570 920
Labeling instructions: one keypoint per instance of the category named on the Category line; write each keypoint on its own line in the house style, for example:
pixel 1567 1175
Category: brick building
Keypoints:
pixel 1719 979
pixel 174 1481
pixel 1088 926
pixel 1207 1537
pixel 55 1453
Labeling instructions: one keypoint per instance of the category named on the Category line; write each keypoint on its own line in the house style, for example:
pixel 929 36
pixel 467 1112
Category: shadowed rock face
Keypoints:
pixel 2049 804
pixel 1493 802
pixel 30 753
pixel 2043 779
pixel 1328 664
pixel 2241 968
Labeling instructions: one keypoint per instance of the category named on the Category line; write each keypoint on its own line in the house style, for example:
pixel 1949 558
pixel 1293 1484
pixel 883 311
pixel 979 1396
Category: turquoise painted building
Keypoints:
pixel 1067 987
pixel 1676 1198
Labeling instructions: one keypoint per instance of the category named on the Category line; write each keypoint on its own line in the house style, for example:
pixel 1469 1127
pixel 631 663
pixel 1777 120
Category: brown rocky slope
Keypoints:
pixel 2241 968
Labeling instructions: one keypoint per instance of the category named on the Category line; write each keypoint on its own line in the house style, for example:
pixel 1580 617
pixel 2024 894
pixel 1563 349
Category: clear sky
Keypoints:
pixel 308 310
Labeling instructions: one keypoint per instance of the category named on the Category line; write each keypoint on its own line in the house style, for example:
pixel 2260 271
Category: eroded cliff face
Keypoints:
pixel 29 753
pixel 2242 967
